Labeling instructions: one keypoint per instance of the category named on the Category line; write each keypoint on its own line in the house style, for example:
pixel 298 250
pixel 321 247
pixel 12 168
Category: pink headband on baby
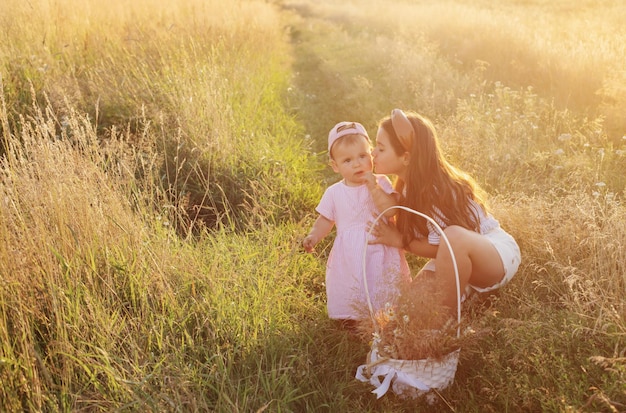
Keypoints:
pixel 404 130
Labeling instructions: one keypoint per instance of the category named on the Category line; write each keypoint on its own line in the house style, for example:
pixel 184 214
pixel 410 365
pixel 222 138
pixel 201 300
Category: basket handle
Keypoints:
pixel 443 236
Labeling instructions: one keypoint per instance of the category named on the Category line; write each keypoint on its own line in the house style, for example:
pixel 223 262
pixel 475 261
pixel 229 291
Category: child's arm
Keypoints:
pixel 382 200
pixel 320 229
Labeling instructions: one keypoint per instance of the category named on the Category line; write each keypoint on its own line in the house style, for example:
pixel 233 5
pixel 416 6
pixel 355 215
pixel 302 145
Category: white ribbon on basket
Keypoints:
pixel 389 372
pixel 392 369
pixel 408 375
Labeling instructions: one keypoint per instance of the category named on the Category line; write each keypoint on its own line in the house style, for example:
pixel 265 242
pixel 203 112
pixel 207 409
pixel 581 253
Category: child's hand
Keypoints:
pixel 370 180
pixel 320 229
pixel 309 243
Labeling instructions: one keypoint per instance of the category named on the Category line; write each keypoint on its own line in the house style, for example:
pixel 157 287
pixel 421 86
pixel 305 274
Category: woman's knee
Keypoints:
pixel 457 235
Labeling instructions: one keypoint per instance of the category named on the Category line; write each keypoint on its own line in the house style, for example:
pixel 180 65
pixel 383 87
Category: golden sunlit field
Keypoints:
pixel 160 163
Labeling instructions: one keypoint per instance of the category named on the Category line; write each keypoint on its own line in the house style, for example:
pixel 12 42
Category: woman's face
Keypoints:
pixel 386 161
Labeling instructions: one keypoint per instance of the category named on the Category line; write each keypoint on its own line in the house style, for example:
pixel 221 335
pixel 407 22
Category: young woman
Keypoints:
pixel 487 256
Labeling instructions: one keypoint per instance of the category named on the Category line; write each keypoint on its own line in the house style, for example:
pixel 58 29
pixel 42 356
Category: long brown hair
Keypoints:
pixel 432 185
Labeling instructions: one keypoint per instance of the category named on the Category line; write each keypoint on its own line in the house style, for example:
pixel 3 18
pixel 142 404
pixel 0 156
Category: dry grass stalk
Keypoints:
pixel 417 325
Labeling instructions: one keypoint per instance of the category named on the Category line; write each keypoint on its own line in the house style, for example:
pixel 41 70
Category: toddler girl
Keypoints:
pixel 349 205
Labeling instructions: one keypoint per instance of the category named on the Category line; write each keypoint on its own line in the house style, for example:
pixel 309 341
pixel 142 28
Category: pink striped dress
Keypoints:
pixel 352 208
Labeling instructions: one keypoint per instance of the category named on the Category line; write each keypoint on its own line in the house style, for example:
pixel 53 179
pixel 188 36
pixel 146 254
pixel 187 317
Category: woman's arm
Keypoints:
pixel 421 247
pixel 388 234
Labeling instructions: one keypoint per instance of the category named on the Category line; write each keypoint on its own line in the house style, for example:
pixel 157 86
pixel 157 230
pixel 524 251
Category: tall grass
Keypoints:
pixel 210 79
pixel 156 179
pixel 122 126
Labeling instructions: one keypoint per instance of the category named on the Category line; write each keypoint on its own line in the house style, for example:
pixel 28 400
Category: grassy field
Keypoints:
pixel 161 161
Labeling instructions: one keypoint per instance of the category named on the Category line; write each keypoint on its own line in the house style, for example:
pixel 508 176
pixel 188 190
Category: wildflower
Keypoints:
pixel 559 152
pixel 405 327
pixel 600 184
pixel 390 350
pixel 431 398
pixel 564 137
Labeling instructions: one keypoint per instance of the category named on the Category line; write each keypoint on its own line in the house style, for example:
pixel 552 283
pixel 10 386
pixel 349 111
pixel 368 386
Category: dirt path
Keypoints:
pixel 335 76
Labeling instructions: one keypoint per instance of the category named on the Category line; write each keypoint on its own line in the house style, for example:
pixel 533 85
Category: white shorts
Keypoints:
pixel 509 254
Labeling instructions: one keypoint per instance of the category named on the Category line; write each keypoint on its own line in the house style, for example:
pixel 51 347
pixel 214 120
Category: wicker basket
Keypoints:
pixel 410 378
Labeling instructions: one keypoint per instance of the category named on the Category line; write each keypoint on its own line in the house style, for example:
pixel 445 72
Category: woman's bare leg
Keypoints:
pixel 477 260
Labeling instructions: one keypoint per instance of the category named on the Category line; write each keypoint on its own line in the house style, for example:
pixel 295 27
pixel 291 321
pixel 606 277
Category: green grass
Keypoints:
pixel 161 162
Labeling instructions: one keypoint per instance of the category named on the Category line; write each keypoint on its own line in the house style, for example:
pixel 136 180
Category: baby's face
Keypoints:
pixel 352 160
